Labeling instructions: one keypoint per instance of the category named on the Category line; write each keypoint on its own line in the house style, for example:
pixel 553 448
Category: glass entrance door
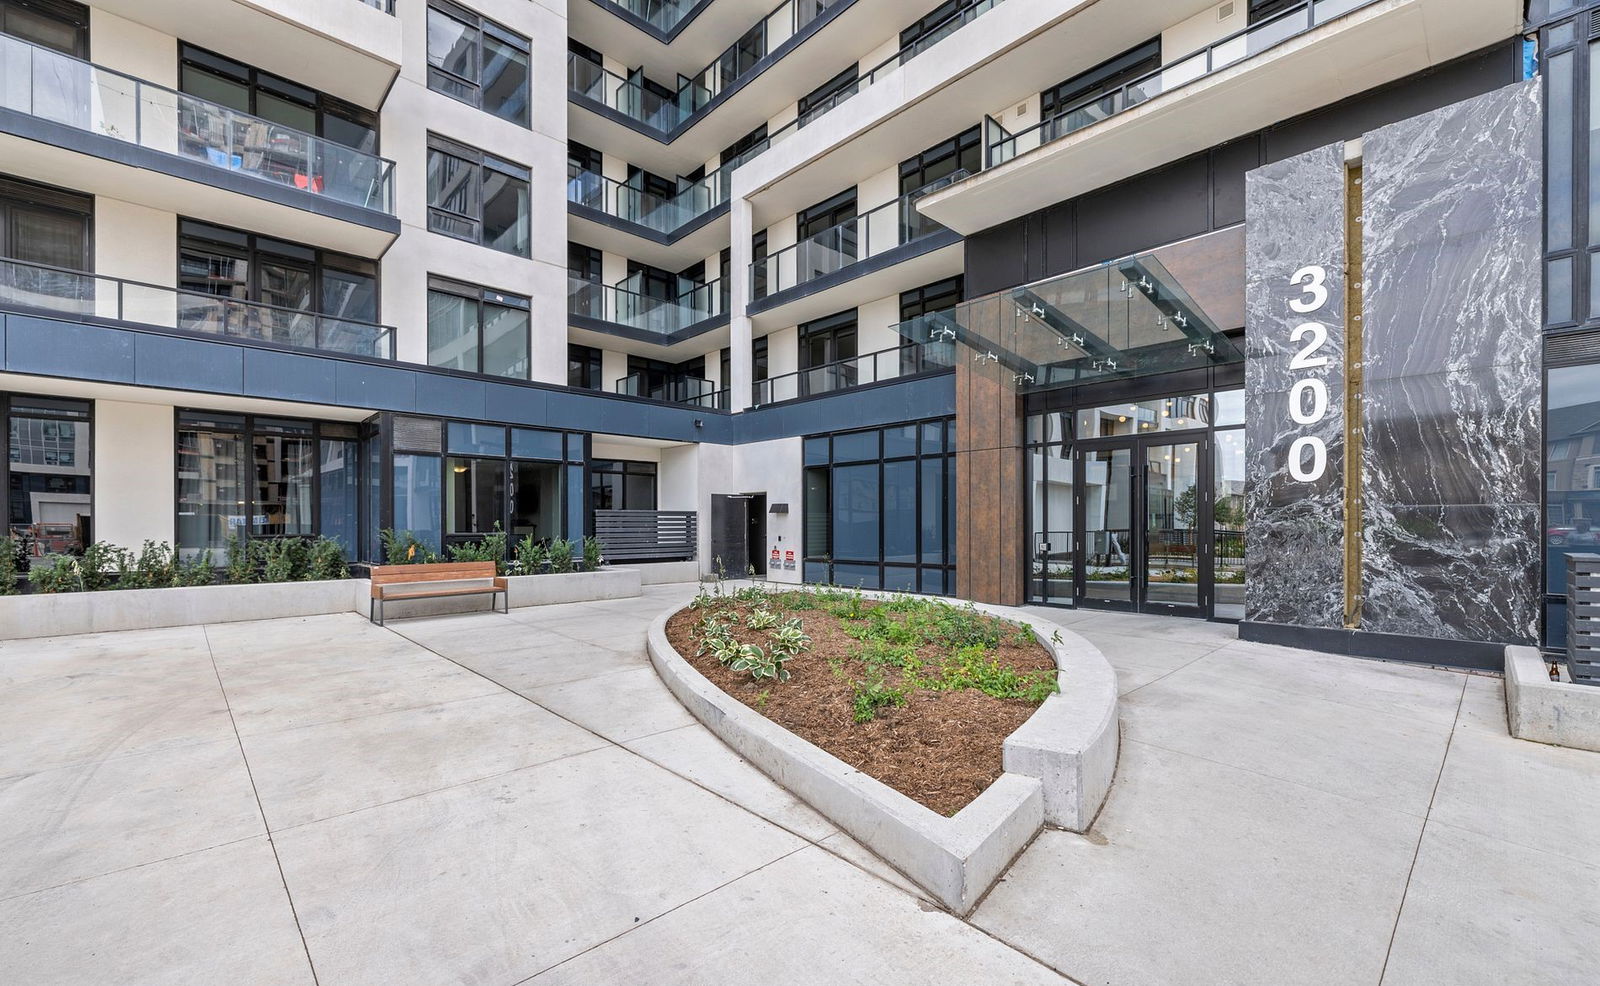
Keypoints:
pixel 1144 509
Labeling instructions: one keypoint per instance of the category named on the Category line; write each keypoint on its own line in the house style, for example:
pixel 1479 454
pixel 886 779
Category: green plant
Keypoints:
pixel 532 555
pixel 195 571
pixel 279 559
pixel 99 564
pixel 560 555
pixel 11 562
pixel 761 618
pixel 760 699
pixel 790 638
pixel 875 693
pixel 753 595
pixel 593 554
pixel 403 548
pixel 725 649
pixel 325 561
pixel 240 571
pixel 55 573
pixel 491 547
pixel 977 667
pixel 762 665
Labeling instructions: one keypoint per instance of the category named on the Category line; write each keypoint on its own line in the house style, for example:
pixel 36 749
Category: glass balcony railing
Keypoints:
pixel 895 223
pixel 907 360
pixel 1234 48
pixel 663 15
pixel 630 97
pixel 659 316
pixel 663 215
pixel 944 29
pixel 692 391
pixel 55 87
pixel 387 6
pixel 55 290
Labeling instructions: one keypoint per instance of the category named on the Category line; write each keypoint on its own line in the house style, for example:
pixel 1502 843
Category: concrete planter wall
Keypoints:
pixel 1059 766
pixel 1557 712
pixel 61 614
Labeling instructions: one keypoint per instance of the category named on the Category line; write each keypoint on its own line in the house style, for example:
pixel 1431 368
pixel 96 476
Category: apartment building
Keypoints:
pixel 1252 310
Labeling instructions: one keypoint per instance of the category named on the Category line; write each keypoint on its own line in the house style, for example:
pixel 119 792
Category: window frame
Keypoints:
pixel 480 27
pixel 66 12
pixel 254 248
pixel 482 296
pixel 258 81
pixel 70 409
pixel 481 162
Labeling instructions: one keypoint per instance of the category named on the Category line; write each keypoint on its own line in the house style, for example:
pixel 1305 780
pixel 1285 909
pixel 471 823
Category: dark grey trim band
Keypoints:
pixel 1476 655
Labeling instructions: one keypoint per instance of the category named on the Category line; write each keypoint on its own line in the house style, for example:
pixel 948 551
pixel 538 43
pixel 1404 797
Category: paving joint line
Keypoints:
pixel 272 844
pixel 132 866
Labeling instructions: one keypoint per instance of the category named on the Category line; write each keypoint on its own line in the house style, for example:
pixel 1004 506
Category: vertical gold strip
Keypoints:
pixel 1352 399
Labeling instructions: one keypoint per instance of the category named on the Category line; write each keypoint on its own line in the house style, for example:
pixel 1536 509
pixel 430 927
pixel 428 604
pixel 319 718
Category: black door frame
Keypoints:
pixel 1138 447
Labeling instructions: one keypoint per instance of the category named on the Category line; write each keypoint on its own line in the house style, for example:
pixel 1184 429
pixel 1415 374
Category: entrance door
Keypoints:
pixel 1142 506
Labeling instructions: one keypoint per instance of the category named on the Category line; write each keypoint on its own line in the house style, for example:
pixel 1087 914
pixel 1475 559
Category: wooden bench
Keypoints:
pixel 388 582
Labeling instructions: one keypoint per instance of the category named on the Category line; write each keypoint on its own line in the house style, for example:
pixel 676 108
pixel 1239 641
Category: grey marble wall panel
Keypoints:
pixel 1295 218
pixel 1451 348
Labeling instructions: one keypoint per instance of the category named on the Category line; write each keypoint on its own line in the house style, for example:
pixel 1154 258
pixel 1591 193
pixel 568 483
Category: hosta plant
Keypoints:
pixel 763 665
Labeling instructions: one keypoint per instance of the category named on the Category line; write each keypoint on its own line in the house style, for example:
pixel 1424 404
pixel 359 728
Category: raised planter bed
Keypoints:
pixel 1058 767
pixel 1561 713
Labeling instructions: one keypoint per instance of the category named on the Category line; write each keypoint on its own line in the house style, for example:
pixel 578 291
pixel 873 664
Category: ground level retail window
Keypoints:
pixel 49 473
pixel 879 508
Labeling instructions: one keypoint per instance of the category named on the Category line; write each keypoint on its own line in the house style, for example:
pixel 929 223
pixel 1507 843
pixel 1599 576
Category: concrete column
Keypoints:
pixel 134 473
pixel 740 370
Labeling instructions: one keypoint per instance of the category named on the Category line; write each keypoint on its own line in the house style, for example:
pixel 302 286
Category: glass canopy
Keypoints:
pixel 1124 319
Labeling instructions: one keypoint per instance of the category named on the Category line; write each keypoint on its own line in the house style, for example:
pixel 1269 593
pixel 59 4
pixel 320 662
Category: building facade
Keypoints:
pixel 1268 311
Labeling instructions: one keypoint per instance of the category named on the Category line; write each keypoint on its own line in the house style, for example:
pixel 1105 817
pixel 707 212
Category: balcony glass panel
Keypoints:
pixel 659 316
pixel 87 97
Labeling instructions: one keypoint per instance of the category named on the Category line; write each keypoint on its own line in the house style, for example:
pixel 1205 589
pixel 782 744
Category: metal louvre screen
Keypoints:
pixel 647 535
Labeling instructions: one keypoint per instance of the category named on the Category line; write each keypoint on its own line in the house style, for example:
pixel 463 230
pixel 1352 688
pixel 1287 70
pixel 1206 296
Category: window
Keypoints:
pixel 930 28
pixel 582 157
pixel 828 340
pixel 662 381
pixel 826 214
pixel 46 226
pixel 878 510
pixel 751 142
pixel 256 477
pixel 963 152
pixel 758 264
pixel 59 25
pixel 217 266
pixel 49 472
pixel 759 364
pixel 823 98
pixel 1261 10
pixel 478 330
pixel 476 197
pixel 477 61
pixel 249 90
pixel 1572 480
pixel 622 485
pixel 940 296
pixel 1101 79
pixel 583 367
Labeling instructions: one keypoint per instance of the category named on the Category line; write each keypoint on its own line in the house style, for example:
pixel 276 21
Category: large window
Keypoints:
pixel 827 95
pixel 1572 495
pixel 477 61
pixel 827 345
pixel 617 484
pixel 249 90
pixel 217 265
pixel 963 152
pixel 478 330
pixel 583 367
pixel 257 477
pixel 1101 79
pixel 879 509
pixel 44 225
pixel 49 471
pixel 477 197
pixel 59 25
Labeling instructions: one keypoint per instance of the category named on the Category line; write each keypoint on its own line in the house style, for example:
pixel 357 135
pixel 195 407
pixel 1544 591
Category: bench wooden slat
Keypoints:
pixel 441 572
pixel 471 590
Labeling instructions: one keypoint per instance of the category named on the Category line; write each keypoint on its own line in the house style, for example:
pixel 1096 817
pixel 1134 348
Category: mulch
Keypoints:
pixel 942 748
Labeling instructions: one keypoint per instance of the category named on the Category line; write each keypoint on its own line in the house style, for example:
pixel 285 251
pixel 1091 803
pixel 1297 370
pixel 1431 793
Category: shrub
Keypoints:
pixel 55 573
pixel 241 569
pixel 325 561
pixel 154 567
pixel 560 555
pixel 403 548
pixel 874 694
pixel 532 556
pixel 195 571
pixel 593 554
pixel 11 565
pixel 762 664
pixel 279 559
pixel 100 563
pixel 492 547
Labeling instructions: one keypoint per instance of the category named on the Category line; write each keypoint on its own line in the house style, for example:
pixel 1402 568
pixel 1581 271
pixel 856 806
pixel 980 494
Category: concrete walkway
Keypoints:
pixel 496 800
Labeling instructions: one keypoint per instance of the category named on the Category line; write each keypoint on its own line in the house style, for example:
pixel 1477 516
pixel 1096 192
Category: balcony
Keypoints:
pixel 72 122
pixel 1292 63
pixel 36 289
pixel 688 391
pixel 911 359
pixel 619 218
pixel 880 238
pixel 347 48
pixel 609 308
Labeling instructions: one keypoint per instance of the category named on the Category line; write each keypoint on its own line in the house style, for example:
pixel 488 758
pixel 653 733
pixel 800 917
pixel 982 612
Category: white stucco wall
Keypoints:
pixel 771 468
pixel 142 52
pixel 134 473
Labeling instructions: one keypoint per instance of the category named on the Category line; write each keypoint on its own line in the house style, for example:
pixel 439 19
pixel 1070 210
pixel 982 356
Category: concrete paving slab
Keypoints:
pixel 1483 706
pixel 271 651
pixel 324 770
pixel 492 881
pixel 1482 912
pixel 301 700
pixel 1385 760
pixel 1161 627
pixel 69 823
pixel 1197 872
pixel 858 855
pixel 693 752
pixel 217 916
pixel 1150 654
pixel 1427 694
pixel 806 919
pixel 1521 793
pixel 89 716
pixel 171 651
pixel 621 707
pixel 548 663
pixel 1131 678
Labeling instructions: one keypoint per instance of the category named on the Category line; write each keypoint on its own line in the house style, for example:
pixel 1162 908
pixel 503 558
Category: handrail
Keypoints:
pixel 60 290
pixel 663 15
pixel 950 25
pixel 635 205
pixel 908 359
pixel 893 224
pixel 693 391
pixel 611 303
pixel 88 97
pixel 1247 43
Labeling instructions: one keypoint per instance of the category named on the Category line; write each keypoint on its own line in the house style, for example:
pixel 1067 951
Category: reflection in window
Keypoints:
pixel 477 197
pixel 50 467
pixel 1572 468
pixel 477 61
pixel 478 330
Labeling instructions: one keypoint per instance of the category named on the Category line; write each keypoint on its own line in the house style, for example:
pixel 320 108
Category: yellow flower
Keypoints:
pixel 411 552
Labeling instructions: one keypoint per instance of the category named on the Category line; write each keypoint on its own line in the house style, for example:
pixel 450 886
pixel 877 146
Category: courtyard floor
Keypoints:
pixel 495 799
